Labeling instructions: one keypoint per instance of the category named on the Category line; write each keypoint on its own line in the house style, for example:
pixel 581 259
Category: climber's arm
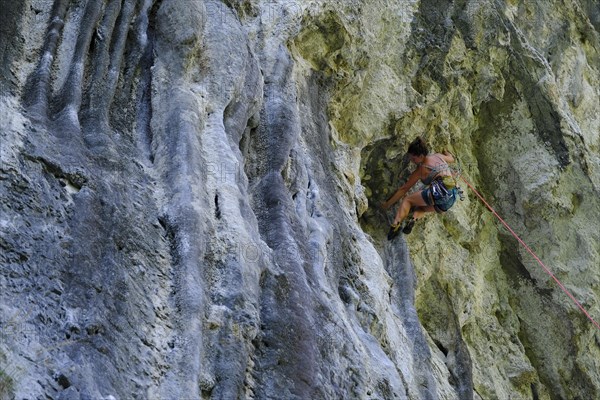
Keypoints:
pixel 447 156
pixel 414 178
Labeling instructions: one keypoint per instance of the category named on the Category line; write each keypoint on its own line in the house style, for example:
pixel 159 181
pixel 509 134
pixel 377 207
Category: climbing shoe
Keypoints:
pixel 409 226
pixel 394 230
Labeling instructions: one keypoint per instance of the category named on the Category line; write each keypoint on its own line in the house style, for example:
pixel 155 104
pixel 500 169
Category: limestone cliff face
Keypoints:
pixel 189 190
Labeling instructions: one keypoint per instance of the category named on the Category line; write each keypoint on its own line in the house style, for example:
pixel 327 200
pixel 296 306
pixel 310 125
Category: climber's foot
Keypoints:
pixel 394 230
pixel 409 226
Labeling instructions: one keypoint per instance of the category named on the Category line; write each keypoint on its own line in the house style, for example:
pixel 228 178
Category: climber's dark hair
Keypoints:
pixel 418 147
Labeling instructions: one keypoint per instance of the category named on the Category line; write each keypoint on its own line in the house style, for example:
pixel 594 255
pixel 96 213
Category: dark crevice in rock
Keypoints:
pixel 462 369
pixel 217 208
pixel 534 392
pixel 63 381
pixel 76 179
pixel 441 347
pixel 171 235
pixel 144 95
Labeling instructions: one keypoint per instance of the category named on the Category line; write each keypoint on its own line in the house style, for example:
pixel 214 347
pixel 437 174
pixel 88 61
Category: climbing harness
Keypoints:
pixel 564 289
pixel 439 190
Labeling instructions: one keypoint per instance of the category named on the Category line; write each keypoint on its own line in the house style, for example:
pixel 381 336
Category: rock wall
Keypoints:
pixel 189 190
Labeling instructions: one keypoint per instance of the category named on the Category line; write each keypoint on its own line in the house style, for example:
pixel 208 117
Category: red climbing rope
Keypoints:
pixel 564 289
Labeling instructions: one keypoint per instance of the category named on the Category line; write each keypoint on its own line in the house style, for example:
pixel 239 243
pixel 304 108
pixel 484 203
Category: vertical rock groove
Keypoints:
pixel 37 94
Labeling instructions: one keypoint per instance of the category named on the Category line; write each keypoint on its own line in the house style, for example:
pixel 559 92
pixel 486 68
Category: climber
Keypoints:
pixel 439 195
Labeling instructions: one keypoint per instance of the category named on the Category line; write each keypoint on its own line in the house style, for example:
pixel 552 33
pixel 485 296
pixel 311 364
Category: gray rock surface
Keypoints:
pixel 189 190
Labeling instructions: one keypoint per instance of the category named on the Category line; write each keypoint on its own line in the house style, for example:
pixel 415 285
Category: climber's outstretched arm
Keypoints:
pixel 414 178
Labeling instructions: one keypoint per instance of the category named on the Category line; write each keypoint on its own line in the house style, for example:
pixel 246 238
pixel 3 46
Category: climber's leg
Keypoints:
pixel 413 200
pixel 419 212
